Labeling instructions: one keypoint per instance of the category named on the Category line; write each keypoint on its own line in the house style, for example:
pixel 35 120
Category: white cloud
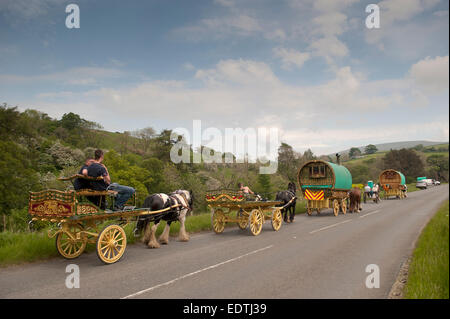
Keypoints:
pixel 290 57
pixel 329 47
pixel 431 74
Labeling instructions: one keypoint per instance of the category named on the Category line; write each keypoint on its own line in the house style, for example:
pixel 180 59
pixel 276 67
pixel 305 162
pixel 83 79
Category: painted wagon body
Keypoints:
pixel 393 183
pixel 230 206
pixel 324 185
pixel 79 220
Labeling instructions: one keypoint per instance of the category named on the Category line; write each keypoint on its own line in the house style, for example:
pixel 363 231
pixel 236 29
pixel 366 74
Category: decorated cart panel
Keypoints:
pixel 324 185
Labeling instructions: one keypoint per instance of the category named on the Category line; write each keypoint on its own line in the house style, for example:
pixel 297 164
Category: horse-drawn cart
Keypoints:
pixel 79 220
pixel 324 185
pixel 228 206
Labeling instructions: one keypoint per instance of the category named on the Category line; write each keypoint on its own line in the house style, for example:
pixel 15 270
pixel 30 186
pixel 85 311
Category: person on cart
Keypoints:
pixel 245 189
pixel 80 183
pixel 97 169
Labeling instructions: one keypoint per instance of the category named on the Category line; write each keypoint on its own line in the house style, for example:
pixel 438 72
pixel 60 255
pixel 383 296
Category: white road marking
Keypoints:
pixel 374 212
pixel 195 272
pixel 330 226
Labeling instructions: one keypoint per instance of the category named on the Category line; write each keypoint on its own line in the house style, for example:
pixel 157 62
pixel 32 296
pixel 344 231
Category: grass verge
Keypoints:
pixel 429 269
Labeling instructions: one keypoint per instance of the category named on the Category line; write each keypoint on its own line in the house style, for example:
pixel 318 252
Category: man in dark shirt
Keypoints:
pixel 80 183
pixel 97 169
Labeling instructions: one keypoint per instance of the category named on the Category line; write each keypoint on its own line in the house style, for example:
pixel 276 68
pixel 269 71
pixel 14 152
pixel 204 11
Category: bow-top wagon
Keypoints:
pixel 324 185
pixel 393 183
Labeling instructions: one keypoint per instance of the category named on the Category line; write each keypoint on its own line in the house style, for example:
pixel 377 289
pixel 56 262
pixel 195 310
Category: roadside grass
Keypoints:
pixel 429 269
pixel 23 247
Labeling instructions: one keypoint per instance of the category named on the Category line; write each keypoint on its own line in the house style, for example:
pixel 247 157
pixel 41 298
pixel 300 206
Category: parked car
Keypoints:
pixel 422 184
pixel 437 183
pixel 429 182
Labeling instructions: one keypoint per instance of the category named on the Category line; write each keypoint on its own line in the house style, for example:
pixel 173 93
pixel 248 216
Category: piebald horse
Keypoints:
pixel 159 201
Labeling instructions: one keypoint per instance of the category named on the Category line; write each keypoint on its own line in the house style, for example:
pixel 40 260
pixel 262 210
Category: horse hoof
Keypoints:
pixel 153 245
pixel 164 242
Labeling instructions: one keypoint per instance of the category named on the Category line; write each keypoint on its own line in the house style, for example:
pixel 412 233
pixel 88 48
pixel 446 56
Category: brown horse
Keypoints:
pixel 355 200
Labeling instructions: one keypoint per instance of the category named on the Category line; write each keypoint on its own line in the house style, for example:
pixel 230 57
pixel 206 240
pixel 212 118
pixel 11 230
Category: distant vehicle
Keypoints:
pixel 437 183
pixel 429 182
pixel 422 184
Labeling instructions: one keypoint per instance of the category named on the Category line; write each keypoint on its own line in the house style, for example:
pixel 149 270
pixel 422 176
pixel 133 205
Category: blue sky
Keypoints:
pixel 310 68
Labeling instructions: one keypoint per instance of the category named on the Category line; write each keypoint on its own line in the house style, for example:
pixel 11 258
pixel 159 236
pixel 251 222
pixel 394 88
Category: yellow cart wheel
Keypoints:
pixel 336 207
pixel 71 247
pixel 277 219
pixel 111 244
pixel 255 221
pixel 344 206
pixel 243 220
pixel 218 221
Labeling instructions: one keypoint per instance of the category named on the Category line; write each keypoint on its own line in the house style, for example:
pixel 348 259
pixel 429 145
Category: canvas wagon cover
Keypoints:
pixel 342 177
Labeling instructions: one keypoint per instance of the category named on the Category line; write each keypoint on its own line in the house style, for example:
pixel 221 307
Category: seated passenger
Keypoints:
pixel 80 183
pixel 97 169
pixel 245 189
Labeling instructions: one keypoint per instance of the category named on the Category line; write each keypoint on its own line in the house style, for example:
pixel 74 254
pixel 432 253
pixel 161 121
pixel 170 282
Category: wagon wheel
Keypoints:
pixel 68 247
pixel 336 207
pixel 256 221
pixel 243 220
pixel 344 206
pixel 277 219
pixel 218 221
pixel 111 244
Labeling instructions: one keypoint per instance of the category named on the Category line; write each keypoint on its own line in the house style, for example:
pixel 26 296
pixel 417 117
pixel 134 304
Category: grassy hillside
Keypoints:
pixel 368 167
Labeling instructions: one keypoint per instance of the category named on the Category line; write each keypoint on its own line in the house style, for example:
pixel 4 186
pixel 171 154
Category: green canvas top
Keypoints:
pixel 421 178
pixel 342 175
pixel 403 182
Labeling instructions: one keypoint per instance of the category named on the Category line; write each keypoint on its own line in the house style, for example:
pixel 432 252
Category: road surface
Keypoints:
pixel 318 256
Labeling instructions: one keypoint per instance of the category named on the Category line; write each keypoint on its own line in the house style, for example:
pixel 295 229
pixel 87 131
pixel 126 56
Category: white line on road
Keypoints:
pixel 374 212
pixel 326 227
pixel 195 272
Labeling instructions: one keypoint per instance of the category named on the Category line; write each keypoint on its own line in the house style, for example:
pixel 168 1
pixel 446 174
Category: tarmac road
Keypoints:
pixel 318 256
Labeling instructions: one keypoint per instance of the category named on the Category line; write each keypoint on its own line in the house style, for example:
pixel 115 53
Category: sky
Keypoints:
pixel 311 69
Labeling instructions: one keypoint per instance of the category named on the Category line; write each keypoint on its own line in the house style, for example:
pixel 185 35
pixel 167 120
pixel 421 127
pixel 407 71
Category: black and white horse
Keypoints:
pixel 183 198
pixel 289 198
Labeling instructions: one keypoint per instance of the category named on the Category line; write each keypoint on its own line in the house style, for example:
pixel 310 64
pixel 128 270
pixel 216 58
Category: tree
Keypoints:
pixel 406 161
pixel 354 152
pixel 145 135
pixel 438 167
pixel 265 186
pixel 287 161
pixel 370 149
pixel 17 177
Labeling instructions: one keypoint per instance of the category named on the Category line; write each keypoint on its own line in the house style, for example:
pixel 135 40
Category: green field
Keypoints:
pixel 429 268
